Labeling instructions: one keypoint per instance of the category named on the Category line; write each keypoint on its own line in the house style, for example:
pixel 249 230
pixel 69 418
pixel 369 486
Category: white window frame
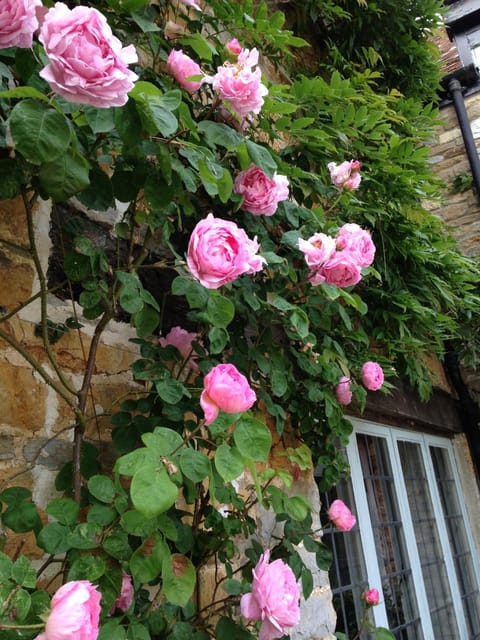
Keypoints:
pixel 392 435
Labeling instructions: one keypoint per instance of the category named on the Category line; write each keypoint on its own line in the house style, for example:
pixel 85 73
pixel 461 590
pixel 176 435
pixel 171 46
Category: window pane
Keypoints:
pixel 348 571
pixel 457 536
pixel 397 584
pixel 428 542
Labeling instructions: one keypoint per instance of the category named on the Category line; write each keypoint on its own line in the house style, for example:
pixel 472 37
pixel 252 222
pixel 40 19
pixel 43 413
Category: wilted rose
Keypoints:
pixel 87 63
pixel 74 613
pixel 372 376
pixel 341 516
pixel 225 389
pixel 345 175
pixel 127 592
pixel 219 252
pixel 261 193
pixel 274 598
pixel 182 67
pixel 18 22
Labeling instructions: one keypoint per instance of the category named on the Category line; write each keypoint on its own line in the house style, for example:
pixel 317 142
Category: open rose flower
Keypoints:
pixel 261 194
pixel 371 597
pixel 74 613
pixel 18 22
pixel 342 391
pixel 225 389
pixel 351 237
pixel 317 249
pixel 239 85
pixel 341 516
pixel 182 340
pixel 345 175
pixel 182 67
pixel 372 376
pixel 219 252
pixel 127 592
pixel 342 270
pixel 87 62
pixel 274 598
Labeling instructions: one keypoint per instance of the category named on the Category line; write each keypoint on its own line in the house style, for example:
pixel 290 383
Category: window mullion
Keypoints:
pixel 366 532
pixel 409 531
pixel 444 541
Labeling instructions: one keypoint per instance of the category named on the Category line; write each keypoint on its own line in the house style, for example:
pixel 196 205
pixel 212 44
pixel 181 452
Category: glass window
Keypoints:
pixel 412 539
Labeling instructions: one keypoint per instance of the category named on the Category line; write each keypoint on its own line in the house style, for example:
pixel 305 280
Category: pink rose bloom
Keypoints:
pixel 226 389
pixel 182 340
pixel 182 67
pixel 87 62
pixel 371 597
pixel 317 249
pixel 342 391
pixel 191 3
pixel 234 47
pixel 372 376
pixel 341 516
pixel 239 85
pixel 351 237
pixel 127 592
pixel 219 252
pixel 274 598
pixel 74 613
pixel 345 175
pixel 342 270
pixel 18 22
pixel 261 194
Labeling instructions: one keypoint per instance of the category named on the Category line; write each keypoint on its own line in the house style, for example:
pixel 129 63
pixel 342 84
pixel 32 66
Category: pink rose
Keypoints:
pixel 234 47
pixel 219 252
pixel 345 175
pixel 274 598
pixel 317 249
pixel 191 3
pixel 87 62
pixel 239 85
pixel 74 613
pixel 351 237
pixel 182 340
pixel 261 194
pixel 341 516
pixel 372 376
pixel 342 270
pixel 371 597
pixel 342 391
pixel 127 592
pixel 182 67
pixel 18 22
pixel 226 389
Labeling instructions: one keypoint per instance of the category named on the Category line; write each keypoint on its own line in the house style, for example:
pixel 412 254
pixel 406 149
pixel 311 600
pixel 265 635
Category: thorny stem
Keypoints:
pixel 10 627
pixel 43 289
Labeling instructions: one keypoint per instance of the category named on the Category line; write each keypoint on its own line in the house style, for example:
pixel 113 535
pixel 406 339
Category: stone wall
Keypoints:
pixel 461 211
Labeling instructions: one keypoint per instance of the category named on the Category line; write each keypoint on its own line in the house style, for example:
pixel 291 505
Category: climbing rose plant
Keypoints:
pixel 242 192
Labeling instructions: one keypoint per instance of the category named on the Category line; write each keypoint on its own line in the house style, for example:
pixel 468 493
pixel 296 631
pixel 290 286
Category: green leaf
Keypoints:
pixel 87 568
pixel 23 573
pixel 297 507
pixel 101 514
pixel 53 538
pixel 202 47
pixel 217 133
pixel 20 605
pixel 138 631
pixel 102 488
pixel 218 338
pixel 229 462
pixel 300 322
pixel 146 562
pixel 85 536
pixel 163 441
pixel 170 390
pixel 228 628
pixel 195 464
pixel 111 630
pixel 178 575
pixel 5 567
pixel 117 546
pixel 22 517
pixel 11 177
pixel 383 634
pixel 24 92
pixel 100 120
pixel 253 439
pixel 40 133
pixel 261 157
pixel 14 495
pixel 99 194
pixel 152 491
pixel 131 462
pixel 220 310
pixel 65 176
pixel 146 321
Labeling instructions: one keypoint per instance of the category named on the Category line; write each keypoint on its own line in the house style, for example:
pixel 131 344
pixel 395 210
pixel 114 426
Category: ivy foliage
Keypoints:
pixel 169 506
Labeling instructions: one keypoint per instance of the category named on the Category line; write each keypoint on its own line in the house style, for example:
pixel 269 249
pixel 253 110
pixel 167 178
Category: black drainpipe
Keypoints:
pixel 456 83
